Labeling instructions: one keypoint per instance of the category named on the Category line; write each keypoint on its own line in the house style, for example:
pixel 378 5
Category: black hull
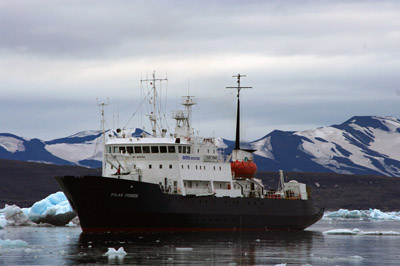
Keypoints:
pixel 109 204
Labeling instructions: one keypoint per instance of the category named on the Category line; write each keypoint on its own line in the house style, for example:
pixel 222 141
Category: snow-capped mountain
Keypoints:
pixel 361 145
pixel 84 149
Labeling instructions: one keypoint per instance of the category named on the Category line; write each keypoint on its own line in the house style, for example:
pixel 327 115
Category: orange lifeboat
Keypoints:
pixel 243 169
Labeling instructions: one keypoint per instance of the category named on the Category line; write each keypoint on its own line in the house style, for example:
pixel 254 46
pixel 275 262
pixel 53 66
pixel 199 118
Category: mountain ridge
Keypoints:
pixel 366 145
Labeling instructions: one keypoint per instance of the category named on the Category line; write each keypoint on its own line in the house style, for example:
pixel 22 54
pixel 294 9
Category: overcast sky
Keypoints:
pixel 310 63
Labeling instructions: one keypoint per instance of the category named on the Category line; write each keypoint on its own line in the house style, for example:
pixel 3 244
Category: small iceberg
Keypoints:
pixel 12 243
pixel 54 210
pixel 184 249
pixel 15 216
pixel 371 214
pixel 357 231
pixel 112 253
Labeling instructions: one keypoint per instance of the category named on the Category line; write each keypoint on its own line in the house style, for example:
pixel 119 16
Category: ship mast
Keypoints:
pixel 103 131
pixel 238 88
pixel 153 115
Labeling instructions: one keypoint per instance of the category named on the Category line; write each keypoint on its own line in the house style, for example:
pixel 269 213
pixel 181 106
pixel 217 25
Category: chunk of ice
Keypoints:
pixel 184 249
pixel 371 214
pixel 14 215
pixel 357 231
pixel 115 253
pixel 12 243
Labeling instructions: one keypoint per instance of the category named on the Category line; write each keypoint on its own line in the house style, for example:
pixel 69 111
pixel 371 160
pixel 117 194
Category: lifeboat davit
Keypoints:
pixel 243 169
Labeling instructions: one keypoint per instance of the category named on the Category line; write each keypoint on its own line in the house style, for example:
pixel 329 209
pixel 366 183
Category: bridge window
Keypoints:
pixel 121 149
pixel 138 149
pixel 184 149
pixel 146 149
pixel 129 149
pixel 115 149
pixel 171 149
pixel 188 150
pixel 154 149
pixel 180 149
pixel 163 149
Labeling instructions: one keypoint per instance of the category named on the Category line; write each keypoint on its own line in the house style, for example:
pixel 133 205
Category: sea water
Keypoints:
pixel 328 242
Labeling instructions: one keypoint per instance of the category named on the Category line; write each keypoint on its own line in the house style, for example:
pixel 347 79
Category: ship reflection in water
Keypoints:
pixel 218 248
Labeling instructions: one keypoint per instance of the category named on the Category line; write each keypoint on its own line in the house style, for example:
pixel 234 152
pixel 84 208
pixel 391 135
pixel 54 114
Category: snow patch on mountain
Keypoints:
pixel 11 144
pixel 263 148
pixel 328 143
pixel 76 152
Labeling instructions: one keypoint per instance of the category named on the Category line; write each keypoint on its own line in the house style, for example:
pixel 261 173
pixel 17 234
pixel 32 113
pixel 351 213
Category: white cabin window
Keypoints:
pixel 196 167
pixel 170 166
pixel 182 166
pixel 214 168
pixel 184 149
pixel 163 149
pixel 198 150
pixel 149 166
pixel 180 149
pixel 115 149
pixel 200 167
pixel 208 150
pixel 154 149
pixel 171 149
pixel 188 150
pixel 204 167
pixel 220 168
pixel 122 150
pixel 188 166
pixel 138 149
pixel 160 166
pixel 146 149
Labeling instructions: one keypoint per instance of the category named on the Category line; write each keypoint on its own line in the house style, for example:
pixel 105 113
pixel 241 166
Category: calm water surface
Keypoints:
pixel 68 246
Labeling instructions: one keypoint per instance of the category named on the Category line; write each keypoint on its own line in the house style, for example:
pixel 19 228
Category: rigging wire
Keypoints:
pixel 137 109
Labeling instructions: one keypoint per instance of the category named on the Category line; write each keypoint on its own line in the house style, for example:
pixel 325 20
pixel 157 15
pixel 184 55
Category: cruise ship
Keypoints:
pixel 179 181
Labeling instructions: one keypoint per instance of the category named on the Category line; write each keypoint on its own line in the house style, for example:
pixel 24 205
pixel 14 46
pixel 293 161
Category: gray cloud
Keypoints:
pixel 310 63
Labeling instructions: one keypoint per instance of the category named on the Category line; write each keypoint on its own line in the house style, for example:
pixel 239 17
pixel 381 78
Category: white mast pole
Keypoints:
pixel 103 131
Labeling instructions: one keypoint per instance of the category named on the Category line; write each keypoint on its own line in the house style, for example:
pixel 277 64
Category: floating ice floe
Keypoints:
pixel 371 214
pixel 357 231
pixel 184 249
pixel 7 243
pixel 54 209
pixel 14 215
pixel 112 253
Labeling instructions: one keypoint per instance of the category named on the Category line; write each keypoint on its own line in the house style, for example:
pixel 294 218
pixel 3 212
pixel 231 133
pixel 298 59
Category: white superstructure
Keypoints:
pixel 179 162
